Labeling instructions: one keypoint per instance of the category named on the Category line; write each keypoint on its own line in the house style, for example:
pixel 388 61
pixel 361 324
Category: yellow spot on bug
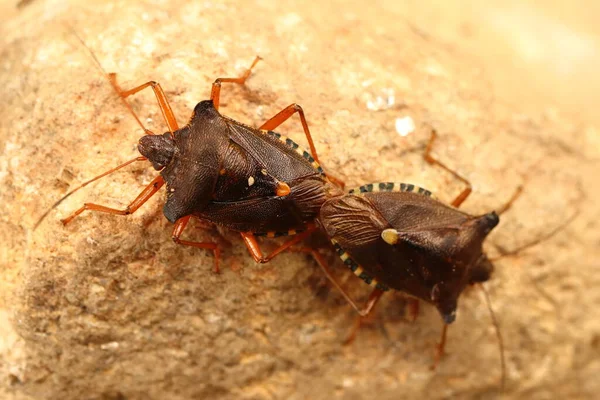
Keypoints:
pixel 222 172
pixel 282 189
pixel 292 232
pixel 251 181
pixel 263 171
pixel 344 256
pixel 374 282
pixel 270 234
pixel 390 236
pixel 358 271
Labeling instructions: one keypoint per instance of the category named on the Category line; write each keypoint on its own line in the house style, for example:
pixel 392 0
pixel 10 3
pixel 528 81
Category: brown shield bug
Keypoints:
pixel 254 181
pixel 398 236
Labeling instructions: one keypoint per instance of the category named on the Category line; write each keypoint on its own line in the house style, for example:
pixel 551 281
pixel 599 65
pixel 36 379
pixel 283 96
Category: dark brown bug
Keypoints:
pixel 254 181
pixel 398 236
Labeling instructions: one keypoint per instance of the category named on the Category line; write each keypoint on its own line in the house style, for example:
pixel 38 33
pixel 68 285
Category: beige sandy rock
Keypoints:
pixel 109 308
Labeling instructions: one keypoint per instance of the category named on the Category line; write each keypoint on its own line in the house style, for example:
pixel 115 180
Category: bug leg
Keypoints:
pixel 413 309
pixel 143 197
pixel 180 225
pixel 431 160
pixel 439 352
pixel 215 93
pixel 102 175
pixel 283 116
pixel 112 78
pixel 256 252
pixel 373 297
pixel 163 103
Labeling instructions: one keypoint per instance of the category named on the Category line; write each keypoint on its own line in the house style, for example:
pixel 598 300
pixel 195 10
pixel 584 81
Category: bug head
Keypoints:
pixel 482 270
pixel 159 149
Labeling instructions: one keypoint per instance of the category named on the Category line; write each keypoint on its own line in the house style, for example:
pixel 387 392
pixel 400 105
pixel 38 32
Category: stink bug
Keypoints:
pixel 399 236
pixel 254 181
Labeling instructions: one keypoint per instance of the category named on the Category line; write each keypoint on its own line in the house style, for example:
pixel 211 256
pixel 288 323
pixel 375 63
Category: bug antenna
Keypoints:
pixel 538 240
pixel 510 202
pixel 110 77
pixel 110 171
pixel 498 334
pixel 548 235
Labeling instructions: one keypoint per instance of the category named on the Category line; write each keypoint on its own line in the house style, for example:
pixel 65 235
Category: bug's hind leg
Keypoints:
pixel 143 197
pixel 215 94
pixel 373 297
pixel 180 225
pixel 283 116
pixel 256 253
pixel 434 161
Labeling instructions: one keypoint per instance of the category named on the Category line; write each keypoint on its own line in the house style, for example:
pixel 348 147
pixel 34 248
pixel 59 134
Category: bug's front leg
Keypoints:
pixel 163 103
pixel 143 197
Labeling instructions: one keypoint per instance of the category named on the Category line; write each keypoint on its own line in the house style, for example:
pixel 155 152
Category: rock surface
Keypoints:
pixel 109 308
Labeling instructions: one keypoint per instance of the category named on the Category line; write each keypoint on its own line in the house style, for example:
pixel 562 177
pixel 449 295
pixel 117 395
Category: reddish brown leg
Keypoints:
pixel 413 308
pixel 431 160
pixel 256 252
pixel 180 225
pixel 365 314
pixel 215 94
pixel 143 197
pixel 354 331
pixel 163 103
pixel 283 116
pixel 439 353
pixel 39 221
pixel 373 297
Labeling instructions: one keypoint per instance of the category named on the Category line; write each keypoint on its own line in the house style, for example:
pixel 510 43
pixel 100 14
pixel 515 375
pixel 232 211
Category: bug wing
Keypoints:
pixel 352 222
pixel 270 213
pixel 258 215
pixel 412 212
pixel 279 159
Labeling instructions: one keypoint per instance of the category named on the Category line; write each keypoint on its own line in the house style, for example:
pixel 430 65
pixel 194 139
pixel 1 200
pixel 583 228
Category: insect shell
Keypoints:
pixel 398 236
pixel 238 177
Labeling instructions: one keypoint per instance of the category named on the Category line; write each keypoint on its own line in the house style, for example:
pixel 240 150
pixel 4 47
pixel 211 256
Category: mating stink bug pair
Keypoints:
pixel 260 183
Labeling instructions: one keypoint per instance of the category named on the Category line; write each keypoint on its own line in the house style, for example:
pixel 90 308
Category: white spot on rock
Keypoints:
pixel 405 126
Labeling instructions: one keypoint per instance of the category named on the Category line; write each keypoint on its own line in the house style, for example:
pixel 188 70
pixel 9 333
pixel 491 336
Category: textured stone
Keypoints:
pixel 110 308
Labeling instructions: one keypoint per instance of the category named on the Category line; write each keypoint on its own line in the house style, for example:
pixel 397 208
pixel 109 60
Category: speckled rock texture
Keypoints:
pixel 109 307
